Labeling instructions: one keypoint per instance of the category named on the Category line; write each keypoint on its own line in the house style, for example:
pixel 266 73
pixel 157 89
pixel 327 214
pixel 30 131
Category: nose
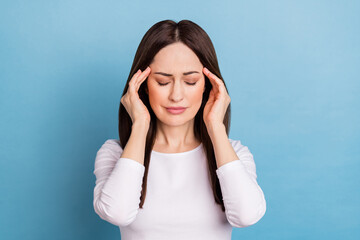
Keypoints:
pixel 177 92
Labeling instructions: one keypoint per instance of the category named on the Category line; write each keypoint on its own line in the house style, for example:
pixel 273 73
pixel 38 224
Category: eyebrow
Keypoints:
pixel 169 75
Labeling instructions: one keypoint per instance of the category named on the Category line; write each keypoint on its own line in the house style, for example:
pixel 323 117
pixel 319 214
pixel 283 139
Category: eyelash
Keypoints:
pixel 191 84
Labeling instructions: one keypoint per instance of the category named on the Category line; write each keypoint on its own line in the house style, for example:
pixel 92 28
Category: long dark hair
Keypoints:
pixel 158 36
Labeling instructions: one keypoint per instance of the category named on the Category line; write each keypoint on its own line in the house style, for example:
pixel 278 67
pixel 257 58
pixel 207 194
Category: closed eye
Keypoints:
pixel 163 84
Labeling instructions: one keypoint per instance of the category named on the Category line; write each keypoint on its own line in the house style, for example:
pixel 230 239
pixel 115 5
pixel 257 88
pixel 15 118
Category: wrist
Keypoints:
pixel 214 129
pixel 141 125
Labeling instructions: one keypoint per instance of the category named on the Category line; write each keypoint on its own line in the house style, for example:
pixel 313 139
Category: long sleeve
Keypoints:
pixel 243 198
pixel 118 185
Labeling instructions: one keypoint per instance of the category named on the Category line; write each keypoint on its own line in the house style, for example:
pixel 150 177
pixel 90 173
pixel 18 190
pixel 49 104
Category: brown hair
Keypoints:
pixel 158 36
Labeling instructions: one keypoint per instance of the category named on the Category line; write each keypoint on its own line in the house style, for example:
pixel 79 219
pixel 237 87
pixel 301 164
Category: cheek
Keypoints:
pixel 196 95
pixel 155 93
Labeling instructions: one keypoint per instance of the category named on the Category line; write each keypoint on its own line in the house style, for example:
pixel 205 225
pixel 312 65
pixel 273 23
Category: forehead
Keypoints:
pixel 176 57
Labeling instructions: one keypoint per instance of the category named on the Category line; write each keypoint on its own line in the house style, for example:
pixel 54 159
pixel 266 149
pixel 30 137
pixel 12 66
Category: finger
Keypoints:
pixel 135 77
pixel 217 82
pixel 206 72
pixel 136 74
pixel 143 73
pixel 132 83
pixel 212 79
pixel 141 78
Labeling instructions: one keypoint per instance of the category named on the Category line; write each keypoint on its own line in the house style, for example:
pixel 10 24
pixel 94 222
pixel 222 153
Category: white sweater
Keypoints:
pixel 179 201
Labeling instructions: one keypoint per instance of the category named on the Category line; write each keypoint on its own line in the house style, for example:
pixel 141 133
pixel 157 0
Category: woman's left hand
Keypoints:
pixel 219 100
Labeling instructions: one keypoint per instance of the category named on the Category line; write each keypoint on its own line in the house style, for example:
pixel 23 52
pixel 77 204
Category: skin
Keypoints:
pixel 175 132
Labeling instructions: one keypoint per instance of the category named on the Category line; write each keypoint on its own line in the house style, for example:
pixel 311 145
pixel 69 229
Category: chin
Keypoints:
pixel 174 120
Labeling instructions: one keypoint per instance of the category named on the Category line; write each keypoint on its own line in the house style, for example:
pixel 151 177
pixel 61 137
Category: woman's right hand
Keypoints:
pixel 131 100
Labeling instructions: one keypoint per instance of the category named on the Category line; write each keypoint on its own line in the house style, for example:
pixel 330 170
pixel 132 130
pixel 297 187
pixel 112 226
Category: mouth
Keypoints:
pixel 176 110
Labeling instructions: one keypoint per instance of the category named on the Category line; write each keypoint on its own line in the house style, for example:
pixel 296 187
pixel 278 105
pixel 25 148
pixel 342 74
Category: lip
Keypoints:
pixel 176 110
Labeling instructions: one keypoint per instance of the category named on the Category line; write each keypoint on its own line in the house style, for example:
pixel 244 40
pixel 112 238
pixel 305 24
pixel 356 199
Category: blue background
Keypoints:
pixel 292 70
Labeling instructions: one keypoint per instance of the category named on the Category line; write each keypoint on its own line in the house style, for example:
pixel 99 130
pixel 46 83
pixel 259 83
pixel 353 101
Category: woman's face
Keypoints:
pixel 176 80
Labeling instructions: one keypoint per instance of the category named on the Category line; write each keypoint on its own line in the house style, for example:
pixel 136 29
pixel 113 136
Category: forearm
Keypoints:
pixel 223 150
pixel 135 147
pixel 243 198
pixel 119 179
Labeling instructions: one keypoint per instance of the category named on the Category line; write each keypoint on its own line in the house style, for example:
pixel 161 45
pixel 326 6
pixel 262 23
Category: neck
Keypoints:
pixel 175 136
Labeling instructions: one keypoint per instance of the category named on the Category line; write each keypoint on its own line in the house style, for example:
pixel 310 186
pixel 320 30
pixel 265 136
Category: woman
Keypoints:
pixel 174 173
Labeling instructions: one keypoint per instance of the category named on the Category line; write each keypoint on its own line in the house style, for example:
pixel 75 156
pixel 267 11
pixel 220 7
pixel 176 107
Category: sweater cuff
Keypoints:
pixel 233 167
pixel 132 165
